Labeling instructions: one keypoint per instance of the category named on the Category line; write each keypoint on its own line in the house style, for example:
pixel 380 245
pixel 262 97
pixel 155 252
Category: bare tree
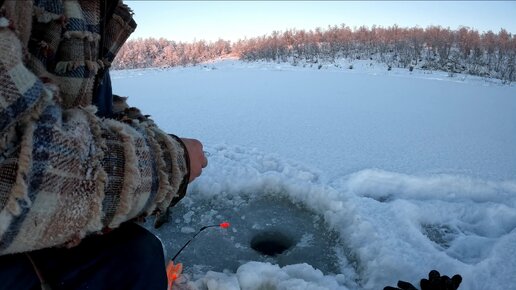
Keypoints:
pixel 435 47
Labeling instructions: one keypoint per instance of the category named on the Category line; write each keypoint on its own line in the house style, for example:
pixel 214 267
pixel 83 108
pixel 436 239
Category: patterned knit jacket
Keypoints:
pixel 64 172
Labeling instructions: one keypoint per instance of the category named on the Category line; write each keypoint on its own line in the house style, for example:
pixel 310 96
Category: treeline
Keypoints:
pixel 150 52
pixel 464 50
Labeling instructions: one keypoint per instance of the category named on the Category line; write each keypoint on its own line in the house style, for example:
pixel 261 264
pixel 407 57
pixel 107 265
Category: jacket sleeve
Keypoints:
pixel 65 173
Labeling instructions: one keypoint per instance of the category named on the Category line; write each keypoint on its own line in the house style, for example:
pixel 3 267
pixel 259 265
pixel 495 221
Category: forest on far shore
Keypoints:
pixel 464 50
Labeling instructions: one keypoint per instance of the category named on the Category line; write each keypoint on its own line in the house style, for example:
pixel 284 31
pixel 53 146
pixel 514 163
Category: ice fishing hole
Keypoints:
pixel 271 243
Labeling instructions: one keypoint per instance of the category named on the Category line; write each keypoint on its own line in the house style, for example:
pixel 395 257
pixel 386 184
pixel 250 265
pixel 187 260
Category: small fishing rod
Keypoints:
pixel 174 270
pixel 223 225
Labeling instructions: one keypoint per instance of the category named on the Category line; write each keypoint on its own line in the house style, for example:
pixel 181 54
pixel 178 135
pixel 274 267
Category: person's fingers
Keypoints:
pixel 205 161
pixel 456 279
pixel 406 285
pixel 206 155
pixel 434 274
pixel 425 284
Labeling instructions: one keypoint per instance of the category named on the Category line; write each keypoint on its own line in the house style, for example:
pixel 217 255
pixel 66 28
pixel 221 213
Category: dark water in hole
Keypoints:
pixel 271 243
pixel 303 235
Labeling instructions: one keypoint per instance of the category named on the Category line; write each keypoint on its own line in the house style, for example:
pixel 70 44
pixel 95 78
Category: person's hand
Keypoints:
pixel 434 282
pixel 198 160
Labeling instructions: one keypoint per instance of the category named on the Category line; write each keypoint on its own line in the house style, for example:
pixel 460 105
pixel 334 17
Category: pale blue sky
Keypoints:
pixel 232 20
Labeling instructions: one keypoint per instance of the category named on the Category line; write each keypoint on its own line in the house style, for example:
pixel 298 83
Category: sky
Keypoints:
pixel 232 20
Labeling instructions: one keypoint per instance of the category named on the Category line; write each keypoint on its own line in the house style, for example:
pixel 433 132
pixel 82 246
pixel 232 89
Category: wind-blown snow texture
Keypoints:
pixel 376 175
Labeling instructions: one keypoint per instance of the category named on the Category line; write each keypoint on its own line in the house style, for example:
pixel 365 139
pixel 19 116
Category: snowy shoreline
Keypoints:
pixel 370 67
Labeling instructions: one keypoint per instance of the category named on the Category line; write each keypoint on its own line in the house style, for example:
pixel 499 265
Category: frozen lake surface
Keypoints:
pixel 373 176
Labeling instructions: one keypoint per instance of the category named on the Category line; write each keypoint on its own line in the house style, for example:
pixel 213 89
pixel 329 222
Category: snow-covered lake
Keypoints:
pixel 373 175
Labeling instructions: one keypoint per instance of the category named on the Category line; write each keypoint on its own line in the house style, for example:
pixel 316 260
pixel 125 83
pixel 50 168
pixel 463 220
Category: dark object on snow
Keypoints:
pixel 434 282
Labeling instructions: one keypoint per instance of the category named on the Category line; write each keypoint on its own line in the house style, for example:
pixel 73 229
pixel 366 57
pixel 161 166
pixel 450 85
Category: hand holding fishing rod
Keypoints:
pixel 196 161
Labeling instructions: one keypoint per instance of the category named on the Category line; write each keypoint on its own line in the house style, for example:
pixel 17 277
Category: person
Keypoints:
pixel 77 164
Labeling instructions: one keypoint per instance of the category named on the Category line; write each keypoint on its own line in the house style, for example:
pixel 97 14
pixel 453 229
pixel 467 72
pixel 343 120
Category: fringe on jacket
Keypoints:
pixel 64 172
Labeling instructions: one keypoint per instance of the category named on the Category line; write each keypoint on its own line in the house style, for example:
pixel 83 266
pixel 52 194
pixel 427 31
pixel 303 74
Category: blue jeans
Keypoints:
pixel 129 257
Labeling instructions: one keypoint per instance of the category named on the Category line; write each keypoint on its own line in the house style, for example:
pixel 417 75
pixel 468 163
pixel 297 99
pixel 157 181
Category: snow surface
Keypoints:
pixel 374 175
